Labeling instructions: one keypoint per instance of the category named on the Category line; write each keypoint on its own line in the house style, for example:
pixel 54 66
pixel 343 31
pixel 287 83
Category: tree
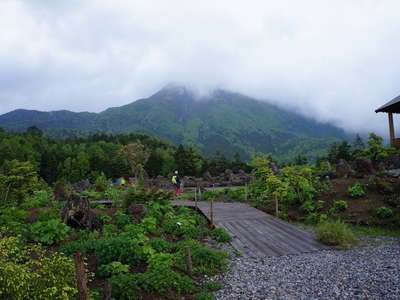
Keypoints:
pixel 34 131
pixel 358 145
pixel 18 180
pixel 136 155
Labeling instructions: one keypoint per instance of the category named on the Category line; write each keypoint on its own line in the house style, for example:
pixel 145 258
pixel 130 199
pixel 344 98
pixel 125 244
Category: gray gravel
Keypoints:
pixel 369 272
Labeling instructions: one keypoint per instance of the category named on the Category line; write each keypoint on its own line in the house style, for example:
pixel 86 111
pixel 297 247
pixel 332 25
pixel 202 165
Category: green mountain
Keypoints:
pixel 222 121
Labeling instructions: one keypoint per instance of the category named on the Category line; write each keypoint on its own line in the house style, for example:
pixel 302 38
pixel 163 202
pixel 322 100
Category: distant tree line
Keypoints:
pixel 74 159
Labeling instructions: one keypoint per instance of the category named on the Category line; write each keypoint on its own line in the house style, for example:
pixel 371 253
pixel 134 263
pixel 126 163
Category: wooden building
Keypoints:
pixel 392 107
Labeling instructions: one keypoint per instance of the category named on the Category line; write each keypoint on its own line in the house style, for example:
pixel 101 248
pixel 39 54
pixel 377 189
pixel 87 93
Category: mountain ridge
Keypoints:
pixel 220 121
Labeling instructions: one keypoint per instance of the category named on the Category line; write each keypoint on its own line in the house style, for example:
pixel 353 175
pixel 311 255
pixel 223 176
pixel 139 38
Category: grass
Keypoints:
pixel 374 231
pixel 336 233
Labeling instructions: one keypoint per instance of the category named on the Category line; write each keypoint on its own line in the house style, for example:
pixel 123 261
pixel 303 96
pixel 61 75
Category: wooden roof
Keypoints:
pixel 392 106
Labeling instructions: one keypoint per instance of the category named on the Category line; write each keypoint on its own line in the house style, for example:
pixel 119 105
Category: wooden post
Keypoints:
pixel 81 279
pixel 212 212
pixel 276 206
pixel 391 129
pixel 245 193
pixel 107 291
pixel 199 193
pixel 195 197
pixel 188 260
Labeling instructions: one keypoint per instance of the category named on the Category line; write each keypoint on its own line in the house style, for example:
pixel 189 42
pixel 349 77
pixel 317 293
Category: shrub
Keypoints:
pixel 204 296
pixel 384 212
pixel 220 235
pixel 340 205
pixel 211 286
pixel 92 194
pixel 162 246
pixel 315 218
pixel 160 278
pixel 110 230
pixel 308 206
pixel 125 286
pixel 182 226
pixel 33 273
pixel 39 199
pixel 122 219
pixel 73 247
pixel 48 232
pixel 137 195
pixel 47 215
pixel 356 190
pixel 12 214
pixel 103 218
pixel 114 194
pixel 320 205
pixel 123 249
pixel 335 233
pixel 208 261
pixel 113 268
pixel 150 225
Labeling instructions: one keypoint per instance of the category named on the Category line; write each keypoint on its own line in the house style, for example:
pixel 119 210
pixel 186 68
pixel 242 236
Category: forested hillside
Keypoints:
pixel 222 121
pixel 76 159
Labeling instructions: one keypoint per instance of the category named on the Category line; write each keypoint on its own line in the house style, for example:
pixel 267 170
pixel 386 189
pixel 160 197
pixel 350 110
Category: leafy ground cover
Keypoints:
pixel 142 258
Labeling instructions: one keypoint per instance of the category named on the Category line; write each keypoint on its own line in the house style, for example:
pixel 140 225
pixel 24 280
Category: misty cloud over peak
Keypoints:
pixel 336 61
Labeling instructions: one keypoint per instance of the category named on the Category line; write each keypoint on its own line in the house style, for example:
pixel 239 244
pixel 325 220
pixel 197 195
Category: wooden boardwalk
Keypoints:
pixel 255 233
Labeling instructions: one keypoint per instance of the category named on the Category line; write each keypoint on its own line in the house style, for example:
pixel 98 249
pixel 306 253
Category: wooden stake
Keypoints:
pixel 81 279
pixel 212 212
pixel 188 260
pixel 245 193
pixel 195 197
pixel 276 206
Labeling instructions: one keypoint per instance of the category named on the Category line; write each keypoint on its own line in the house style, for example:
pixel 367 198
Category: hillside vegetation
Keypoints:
pixel 223 121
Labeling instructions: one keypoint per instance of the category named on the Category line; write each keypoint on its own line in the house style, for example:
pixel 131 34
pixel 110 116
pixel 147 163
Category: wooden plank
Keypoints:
pixel 255 233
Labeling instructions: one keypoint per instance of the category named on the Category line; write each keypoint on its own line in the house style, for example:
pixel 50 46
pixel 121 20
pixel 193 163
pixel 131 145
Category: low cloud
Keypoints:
pixel 336 61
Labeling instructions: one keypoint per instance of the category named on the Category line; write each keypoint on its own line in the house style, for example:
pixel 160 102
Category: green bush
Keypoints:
pixel 384 212
pixel 83 246
pixel 113 268
pixel 137 195
pixel 39 199
pixel 356 191
pixel 48 232
pixel 182 226
pixel 162 246
pixel 47 215
pixel 12 214
pixel 335 233
pixel 220 235
pixel 204 296
pixel 122 219
pixel 110 230
pixel 123 249
pixel 125 286
pixel 115 195
pixel 315 218
pixel 340 205
pixel 150 225
pixel 33 273
pixel 208 261
pixel 92 194
pixel 161 279
pixel 103 218
pixel 308 206
pixel 211 286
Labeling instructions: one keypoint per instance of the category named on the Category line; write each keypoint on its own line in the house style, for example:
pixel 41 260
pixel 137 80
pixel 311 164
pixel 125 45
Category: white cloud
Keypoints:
pixel 334 60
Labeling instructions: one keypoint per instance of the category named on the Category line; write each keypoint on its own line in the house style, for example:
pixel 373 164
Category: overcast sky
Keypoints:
pixel 334 60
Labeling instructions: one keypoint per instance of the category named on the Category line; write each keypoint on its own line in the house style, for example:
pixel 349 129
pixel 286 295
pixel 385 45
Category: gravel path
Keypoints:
pixel 371 272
